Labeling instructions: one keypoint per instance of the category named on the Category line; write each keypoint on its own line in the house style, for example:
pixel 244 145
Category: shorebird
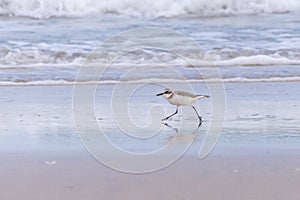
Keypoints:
pixel 180 98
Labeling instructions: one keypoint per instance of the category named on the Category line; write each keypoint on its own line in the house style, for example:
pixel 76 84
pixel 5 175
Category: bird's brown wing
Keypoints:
pixel 186 94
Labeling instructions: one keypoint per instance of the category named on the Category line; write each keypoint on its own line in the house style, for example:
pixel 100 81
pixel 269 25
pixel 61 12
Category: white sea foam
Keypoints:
pixel 146 8
pixel 146 81
pixel 34 57
pixel 260 60
pixel 256 60
pixel 18 57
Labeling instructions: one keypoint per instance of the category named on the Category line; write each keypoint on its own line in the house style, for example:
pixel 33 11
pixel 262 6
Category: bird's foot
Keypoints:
pixel 200 119
pixel 200 123
pixel 165 123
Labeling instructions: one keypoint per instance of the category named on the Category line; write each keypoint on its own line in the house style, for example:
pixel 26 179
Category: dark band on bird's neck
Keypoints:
pixel 170 96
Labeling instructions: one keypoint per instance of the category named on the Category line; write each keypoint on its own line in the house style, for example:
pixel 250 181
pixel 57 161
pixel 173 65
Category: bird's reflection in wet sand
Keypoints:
pixel 184 133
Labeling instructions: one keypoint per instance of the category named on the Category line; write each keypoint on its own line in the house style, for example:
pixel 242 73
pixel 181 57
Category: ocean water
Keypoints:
pixel 46 42
pixel 253 44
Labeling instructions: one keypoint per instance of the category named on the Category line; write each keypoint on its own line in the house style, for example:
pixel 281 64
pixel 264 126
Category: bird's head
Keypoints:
pixel 166 93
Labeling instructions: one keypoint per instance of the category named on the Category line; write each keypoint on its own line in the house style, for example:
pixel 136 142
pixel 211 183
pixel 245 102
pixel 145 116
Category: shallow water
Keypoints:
pixel 245 47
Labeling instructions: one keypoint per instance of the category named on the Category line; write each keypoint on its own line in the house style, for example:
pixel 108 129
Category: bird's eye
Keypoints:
pixel 168 92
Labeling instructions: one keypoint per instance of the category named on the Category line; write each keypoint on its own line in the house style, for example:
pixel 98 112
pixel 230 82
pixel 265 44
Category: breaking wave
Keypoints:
pixel 14 58
pixel 165 8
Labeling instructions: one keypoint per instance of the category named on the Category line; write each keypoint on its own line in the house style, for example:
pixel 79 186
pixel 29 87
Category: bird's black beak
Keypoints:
pixel 159 94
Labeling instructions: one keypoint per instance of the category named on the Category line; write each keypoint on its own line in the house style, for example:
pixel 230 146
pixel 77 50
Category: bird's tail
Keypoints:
pixel 202 96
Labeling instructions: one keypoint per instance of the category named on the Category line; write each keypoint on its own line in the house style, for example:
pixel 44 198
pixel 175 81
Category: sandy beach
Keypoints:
pixel 44 159
pixel 261 175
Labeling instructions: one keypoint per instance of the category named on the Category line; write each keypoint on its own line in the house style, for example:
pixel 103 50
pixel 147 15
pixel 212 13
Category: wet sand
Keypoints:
pixel 265 174
pixel 257 156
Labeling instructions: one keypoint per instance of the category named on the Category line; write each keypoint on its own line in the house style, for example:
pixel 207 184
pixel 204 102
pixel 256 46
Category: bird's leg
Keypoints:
pixel 200 119
pixel 171 115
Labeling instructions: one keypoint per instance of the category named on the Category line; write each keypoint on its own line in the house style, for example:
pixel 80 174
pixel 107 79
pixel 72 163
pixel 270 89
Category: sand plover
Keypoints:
pixel 180 98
